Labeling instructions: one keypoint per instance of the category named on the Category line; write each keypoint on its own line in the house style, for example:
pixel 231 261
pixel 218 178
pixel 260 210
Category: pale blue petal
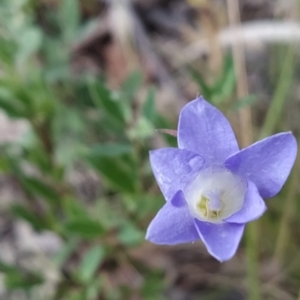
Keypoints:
pixel 173 168
pixel 203 129
pixel 172 225
pixel 221 240
pixel 267 163
pixel 254 206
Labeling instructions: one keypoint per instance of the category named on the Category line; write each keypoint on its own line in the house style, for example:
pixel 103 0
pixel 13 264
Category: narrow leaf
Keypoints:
pixel 18 280
pixel 84 227
pixel 205 89
pixel 103 100
pixel 90 263
pixel 110 149
pixel 69 18
pixel 62 256
pixel 115 172
pixel 22 212
pixel 132 84
pixel 129 235
pixel 37 187
pixel 149 105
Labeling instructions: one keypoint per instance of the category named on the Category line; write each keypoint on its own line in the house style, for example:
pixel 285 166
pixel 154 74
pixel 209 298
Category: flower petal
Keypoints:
pixel 173 168
pixel 267 163
pixel 221 240
pixel 203 129
pixel 254 206
pixel 172 225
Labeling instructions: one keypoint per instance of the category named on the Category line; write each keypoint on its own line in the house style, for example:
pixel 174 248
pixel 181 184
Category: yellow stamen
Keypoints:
pixel 203 207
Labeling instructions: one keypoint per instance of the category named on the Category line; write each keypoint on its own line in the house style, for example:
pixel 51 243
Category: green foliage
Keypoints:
pixel 222 88
pixel 24 213
pixel 149 106
pixel 131 85
pixel 60 136
pixel 79 128
pixel 110 161
pixel 90 263
pixel 39 188
pixel 84 227
pixel 104 100
pixel 69 19
pixel 17 280
pixel 129 235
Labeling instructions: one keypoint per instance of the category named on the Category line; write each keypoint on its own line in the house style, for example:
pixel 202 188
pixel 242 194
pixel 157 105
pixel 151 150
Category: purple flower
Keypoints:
pixel 211 187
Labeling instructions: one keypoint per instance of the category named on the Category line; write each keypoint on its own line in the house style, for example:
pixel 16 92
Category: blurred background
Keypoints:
pixel 84 85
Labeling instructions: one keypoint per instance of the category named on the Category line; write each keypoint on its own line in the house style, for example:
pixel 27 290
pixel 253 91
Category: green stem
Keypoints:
pixel 281 92
pixel 288 211
pixel 273 115
pixel 252 239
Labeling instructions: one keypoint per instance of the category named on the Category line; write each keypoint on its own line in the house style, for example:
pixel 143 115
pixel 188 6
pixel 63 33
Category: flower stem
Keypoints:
pixel 281 92
pixel 252 261
pixel 288 211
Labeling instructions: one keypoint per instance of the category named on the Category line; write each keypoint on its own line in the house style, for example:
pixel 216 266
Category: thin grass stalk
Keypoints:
pixel 252 242
pixel 288 212
pixel 246 138
pixel 272 118
pixel 281 93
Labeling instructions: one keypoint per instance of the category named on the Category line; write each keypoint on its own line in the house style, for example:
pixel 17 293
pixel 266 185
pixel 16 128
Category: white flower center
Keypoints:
pixel 215 194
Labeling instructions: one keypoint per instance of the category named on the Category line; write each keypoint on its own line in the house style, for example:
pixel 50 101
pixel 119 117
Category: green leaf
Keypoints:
pixel 153 286
pixel 4 267
pixel 69 19
pixel 23 213
pixel 37 187
pixel 39 157
pixel 130 235
pixel 224 87
pixel 74 208
pixel 93 289
pixel 149 206
pixel 11 106
pixel 66 251
pixel 11 109
pixel 149 105
pixel 227 75
pixel 103 100
pixel 115 172
pixel 4 164
pixel 84 227
pixel 74 295
pixel 141 129
pixel 34 151
pixel 132 84
pixel 29 42
pixel 110 149
pixel 205 89
pixel 90 263
pixel 18 280
pixel 112 162
pixel 7 51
